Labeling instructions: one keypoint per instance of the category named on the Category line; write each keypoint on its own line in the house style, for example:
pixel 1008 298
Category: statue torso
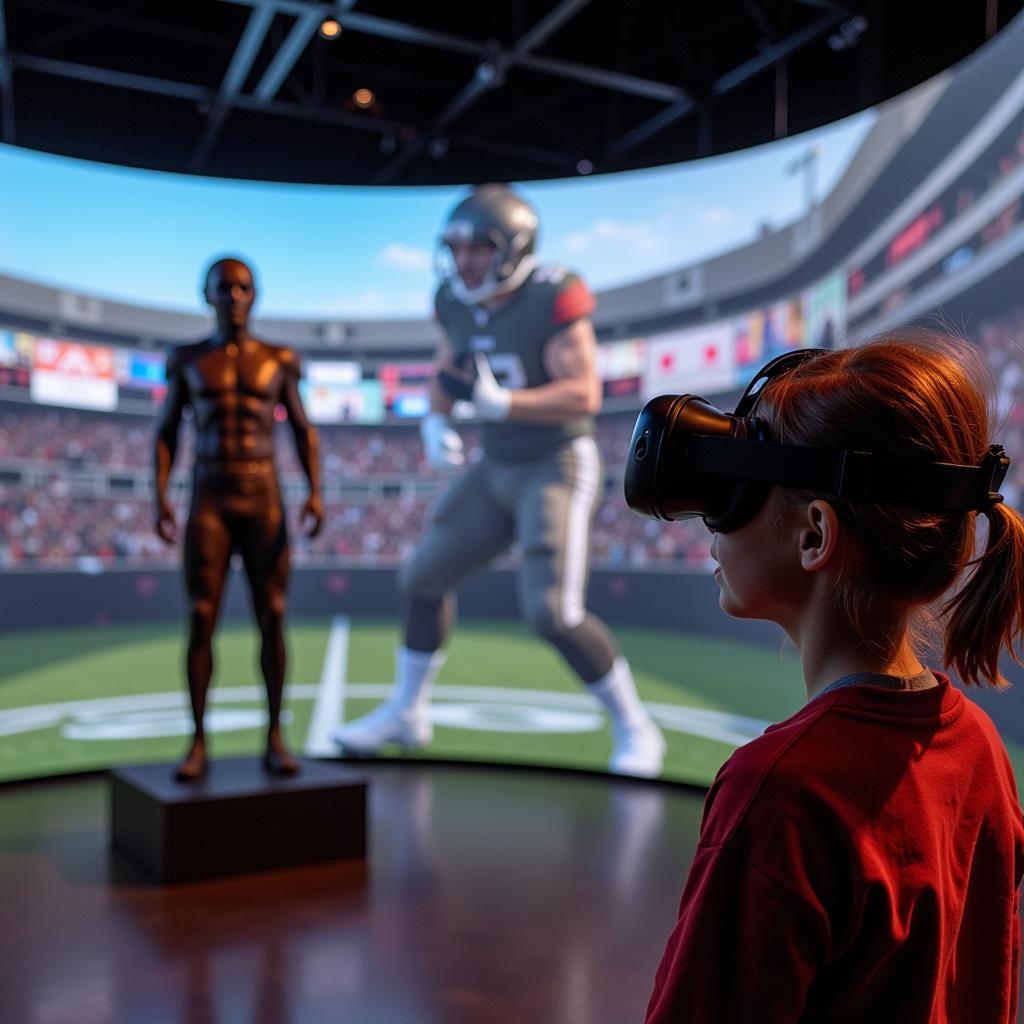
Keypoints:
pixel 233 391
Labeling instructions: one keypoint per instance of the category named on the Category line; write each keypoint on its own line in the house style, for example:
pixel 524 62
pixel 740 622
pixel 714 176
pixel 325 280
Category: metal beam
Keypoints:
pixel 198 93
pixel 462 100
pixel 277 108
pixel 515 57
pixel 385 28
pixel 489 75
pixel 106 76
pixel 779 51
pixel 6 83
pixel 242 59
pixel 549 25
pixel 650 127
pixel 287 54
pixel 727 82
pixel 273 77
pixel 246 51
pixel 617 81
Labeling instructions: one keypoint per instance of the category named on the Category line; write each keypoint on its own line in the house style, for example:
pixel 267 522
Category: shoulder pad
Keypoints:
pixel 573 300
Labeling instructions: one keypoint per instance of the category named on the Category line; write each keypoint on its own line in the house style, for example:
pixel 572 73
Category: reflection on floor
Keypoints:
pixel 489 895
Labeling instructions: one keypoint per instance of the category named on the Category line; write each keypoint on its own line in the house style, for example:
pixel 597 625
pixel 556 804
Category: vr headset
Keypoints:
pixel 689 459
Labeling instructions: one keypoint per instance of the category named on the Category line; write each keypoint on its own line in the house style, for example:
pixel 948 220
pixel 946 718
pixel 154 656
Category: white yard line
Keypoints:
pixel 330 697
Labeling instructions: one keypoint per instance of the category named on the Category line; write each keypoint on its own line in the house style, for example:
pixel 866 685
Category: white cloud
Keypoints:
pixel 399 256
pixel 635 237
pixel 716 216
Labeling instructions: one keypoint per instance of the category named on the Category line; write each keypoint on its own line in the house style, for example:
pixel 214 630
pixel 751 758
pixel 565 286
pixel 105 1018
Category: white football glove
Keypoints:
pixel 442 445
pixel 492 401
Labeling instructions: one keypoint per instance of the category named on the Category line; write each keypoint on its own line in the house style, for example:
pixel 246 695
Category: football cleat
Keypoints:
pixel 410 728
pixel 639 750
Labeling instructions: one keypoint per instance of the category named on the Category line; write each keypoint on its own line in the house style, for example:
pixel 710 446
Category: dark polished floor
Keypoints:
pixel 488 896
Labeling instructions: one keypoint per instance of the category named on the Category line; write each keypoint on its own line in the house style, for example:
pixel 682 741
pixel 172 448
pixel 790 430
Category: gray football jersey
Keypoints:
pixel 513 339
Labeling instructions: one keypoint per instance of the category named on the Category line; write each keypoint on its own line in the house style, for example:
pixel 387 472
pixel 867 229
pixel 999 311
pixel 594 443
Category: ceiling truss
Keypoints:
pixel 259 78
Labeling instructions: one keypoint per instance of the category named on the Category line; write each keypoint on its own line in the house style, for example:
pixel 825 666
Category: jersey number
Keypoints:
pixel 508 369
pixel 552 275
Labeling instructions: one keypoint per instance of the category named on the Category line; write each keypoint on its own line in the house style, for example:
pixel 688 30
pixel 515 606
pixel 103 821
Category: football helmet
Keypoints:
pixel 492 214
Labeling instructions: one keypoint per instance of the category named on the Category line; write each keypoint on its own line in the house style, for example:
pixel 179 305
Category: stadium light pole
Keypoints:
pixel 808 164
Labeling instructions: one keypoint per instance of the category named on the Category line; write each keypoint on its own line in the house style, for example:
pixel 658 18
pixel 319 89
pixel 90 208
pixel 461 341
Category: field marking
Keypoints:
pixel 722 726
pixel 330 697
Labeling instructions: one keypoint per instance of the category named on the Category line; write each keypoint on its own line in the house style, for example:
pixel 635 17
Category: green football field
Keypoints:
pixel 78 699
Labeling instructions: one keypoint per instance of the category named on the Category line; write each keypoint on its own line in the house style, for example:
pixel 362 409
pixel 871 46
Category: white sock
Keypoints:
pixel 616 690
pixel 415 672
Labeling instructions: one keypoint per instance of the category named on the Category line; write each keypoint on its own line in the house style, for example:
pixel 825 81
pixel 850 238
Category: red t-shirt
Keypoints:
pixel 858 862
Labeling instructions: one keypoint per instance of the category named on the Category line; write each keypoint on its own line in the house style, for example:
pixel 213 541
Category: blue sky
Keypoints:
pixel 144 237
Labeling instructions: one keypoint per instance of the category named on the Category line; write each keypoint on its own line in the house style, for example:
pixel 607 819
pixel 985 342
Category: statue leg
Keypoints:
pixel 265 553
pixel 207 557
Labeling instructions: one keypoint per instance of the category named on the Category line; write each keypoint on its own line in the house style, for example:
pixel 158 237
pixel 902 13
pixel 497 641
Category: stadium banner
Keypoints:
pixel 695 360
pixel 334 392
pixel 404 387
pixel 140 373
pixel 72 374
pixel 620 364
pixel 344 373
pixel 765 333
pixel 825 312
pixel 336 403
pixel 16 358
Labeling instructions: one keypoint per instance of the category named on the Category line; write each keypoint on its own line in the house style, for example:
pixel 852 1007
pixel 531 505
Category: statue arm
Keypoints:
pixel 307 441
pixel 166 445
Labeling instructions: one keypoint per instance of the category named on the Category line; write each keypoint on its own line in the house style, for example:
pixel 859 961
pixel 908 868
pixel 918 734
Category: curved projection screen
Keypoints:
pixel 905 214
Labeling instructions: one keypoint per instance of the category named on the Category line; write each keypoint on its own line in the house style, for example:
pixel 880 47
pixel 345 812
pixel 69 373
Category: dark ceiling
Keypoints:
pixel 462 92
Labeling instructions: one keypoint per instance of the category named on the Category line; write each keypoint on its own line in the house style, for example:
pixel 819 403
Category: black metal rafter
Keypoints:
pixel 386 28
pixel 489 75
pixel 280 108
pixel 246 51
pixel 292 48
pixel 781 50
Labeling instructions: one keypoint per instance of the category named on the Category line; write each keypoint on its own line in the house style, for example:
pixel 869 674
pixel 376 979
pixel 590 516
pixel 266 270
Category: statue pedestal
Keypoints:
pixel 237 818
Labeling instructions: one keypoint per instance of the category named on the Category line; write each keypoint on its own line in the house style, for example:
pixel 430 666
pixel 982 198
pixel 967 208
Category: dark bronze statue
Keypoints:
pixel 234 382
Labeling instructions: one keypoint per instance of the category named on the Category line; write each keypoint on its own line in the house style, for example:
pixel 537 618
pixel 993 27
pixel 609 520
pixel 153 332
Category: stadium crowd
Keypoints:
pixel 52 527
pixel 55 527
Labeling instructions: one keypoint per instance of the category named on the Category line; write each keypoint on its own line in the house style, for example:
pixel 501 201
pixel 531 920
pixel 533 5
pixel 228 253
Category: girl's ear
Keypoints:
pixel 819 535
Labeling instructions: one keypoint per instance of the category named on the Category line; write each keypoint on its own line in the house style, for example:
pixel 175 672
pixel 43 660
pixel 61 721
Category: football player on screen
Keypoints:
pixel 519 344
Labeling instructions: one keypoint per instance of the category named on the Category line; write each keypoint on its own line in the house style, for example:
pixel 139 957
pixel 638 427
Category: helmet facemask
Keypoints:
pixel 496 216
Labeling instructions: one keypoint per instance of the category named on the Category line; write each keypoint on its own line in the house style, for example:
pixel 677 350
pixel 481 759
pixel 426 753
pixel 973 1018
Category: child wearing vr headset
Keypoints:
pixel 861 860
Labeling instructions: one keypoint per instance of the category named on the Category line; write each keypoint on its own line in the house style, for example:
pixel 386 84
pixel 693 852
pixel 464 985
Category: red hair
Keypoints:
pixel 926 397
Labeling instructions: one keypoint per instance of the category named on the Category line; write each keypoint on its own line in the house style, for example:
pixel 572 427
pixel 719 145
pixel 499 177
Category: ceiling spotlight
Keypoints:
pixel 329 28
pixel 584 167
pixel 363 98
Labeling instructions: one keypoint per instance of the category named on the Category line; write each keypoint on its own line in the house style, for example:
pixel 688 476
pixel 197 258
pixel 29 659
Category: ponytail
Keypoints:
pixel 986 613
